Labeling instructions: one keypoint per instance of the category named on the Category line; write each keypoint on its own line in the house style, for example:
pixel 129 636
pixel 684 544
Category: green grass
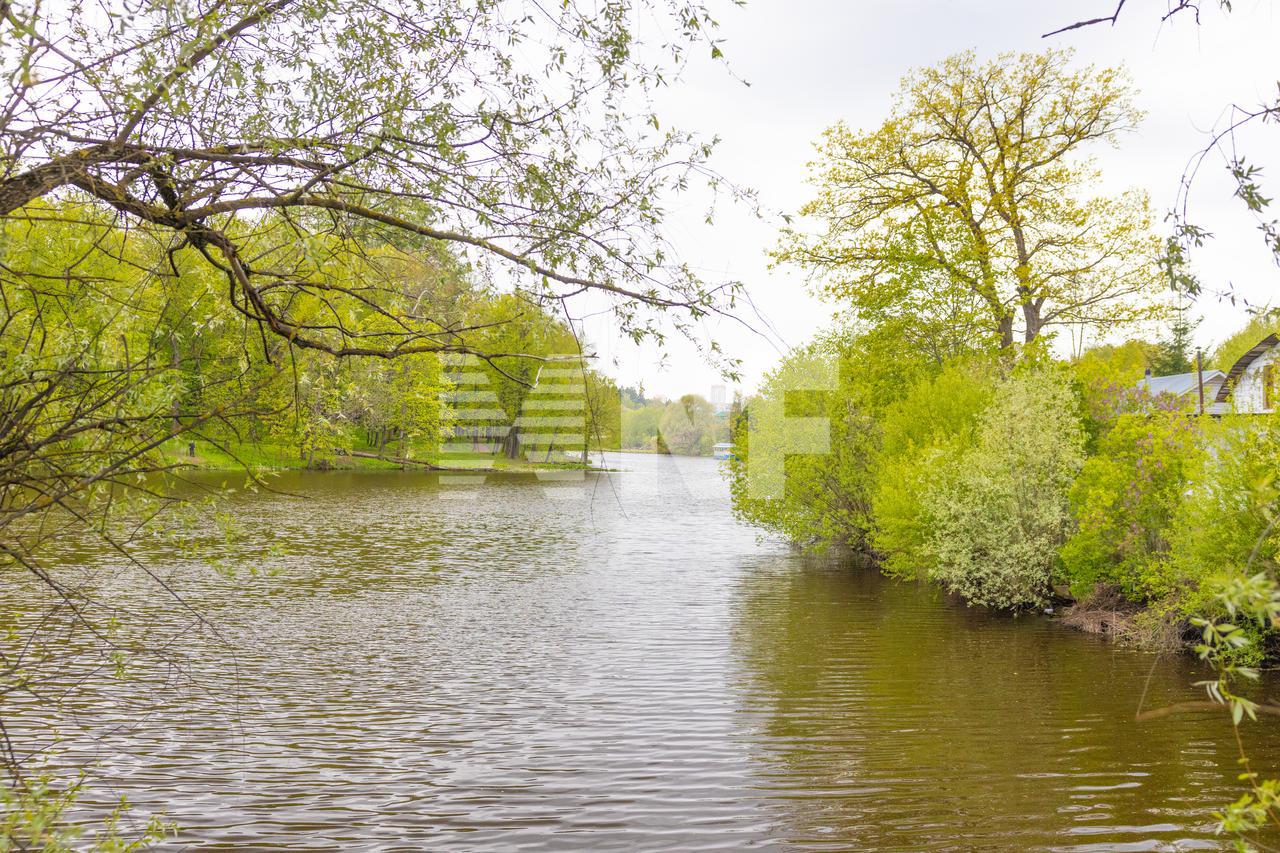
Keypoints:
pixel 236 456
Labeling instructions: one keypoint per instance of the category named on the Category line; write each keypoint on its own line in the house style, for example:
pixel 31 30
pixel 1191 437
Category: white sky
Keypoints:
pixel 812 62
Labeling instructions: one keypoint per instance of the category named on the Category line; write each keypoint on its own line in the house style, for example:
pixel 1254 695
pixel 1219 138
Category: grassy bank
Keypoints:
pixel 238 456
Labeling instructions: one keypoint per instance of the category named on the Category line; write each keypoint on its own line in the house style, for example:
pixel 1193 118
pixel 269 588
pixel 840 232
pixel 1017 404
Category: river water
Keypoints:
pixel 614 663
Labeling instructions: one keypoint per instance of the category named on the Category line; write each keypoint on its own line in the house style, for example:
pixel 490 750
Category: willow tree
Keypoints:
pixel 978 190
pixel 299 151
pixel 520 132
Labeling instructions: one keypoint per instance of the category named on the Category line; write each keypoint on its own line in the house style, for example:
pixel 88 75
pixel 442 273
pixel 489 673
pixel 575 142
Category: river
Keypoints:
pixel 614 663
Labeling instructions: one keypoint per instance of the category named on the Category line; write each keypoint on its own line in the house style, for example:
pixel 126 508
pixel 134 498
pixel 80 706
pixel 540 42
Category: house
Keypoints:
pixel 1185 387
pixel 1252 386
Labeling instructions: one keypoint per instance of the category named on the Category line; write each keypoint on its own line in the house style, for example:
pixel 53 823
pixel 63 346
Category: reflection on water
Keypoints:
pixel 891 720
pixel 616 664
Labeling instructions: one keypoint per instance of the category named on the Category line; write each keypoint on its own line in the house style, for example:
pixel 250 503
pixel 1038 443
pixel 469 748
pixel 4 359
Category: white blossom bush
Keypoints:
pixel 1001 514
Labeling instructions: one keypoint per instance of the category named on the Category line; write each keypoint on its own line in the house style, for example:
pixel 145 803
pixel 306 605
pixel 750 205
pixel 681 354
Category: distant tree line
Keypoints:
pixel 689 426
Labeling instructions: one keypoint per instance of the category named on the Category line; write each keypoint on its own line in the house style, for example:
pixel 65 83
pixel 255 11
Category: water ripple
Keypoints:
pixel 618 666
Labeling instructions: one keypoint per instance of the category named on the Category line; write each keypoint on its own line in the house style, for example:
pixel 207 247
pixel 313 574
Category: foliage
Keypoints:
pixel 824 499
pixel 1108 377
pixel 1239 503
pixel 1227 644
pixel 925 434
pixel 604 411
pixel 1246 338
pixel 33 817
pixel 1122 364
pixel 640 425
pixel 1173 353
pixel 863 372
pixel 502 392
pixel 633 397
pixel 1000 513
pixel 689 426
pixel 972 204
pixel 1124 502
pixel 1224 524
pixel 279 139
pixel 87 392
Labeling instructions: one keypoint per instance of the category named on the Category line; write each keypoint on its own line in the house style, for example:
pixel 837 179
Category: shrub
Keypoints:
pixel 924 434
pixel 35 814
pixel 1225 526
pixel 824 496
pixel 1000 514
pixel 1124 502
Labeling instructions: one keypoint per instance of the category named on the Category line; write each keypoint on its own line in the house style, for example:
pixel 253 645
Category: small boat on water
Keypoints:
pixel 723 450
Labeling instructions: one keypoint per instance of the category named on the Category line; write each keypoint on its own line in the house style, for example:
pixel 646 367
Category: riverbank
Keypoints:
pixel 1107 613
pixel 1157 627
pixel 650 451
pixel 239 456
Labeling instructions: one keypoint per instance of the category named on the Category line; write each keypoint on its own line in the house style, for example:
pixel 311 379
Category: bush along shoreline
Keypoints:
pixel 1019 481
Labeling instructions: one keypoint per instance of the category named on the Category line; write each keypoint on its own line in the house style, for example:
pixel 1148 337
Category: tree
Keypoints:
pixel 1246 338
pixel 400 400
pixel 1107 377
pixel 603 411
pixel 1124 501
pixel 689 427
pixel 924 435
pixel 509 323
pixel 826 498
pixel 823 497
pixel 1173 353
pixel 640 425
pixel 632 396
pixel 326 164
pixel 245 129
pixel 975 194
pixel 1120 365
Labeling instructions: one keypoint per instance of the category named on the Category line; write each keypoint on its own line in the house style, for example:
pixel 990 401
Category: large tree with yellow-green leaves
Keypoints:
pixel 975 202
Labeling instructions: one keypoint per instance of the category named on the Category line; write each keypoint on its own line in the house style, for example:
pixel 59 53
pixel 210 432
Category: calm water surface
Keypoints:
pixel 615 663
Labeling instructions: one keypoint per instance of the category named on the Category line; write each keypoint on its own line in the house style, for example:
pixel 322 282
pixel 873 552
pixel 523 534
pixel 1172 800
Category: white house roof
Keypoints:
pixel 1179 383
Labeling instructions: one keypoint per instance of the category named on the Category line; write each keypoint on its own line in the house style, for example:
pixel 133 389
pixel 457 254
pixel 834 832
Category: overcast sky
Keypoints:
pixel 810 63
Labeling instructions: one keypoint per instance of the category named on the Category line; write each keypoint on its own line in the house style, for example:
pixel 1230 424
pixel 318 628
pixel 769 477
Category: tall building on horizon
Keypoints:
pixel 719 397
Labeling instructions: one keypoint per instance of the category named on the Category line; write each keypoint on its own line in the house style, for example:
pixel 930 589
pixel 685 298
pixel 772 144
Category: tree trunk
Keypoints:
pixel 174 361
pixel 511 443
pixel 1031 314
pixel 1006 331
